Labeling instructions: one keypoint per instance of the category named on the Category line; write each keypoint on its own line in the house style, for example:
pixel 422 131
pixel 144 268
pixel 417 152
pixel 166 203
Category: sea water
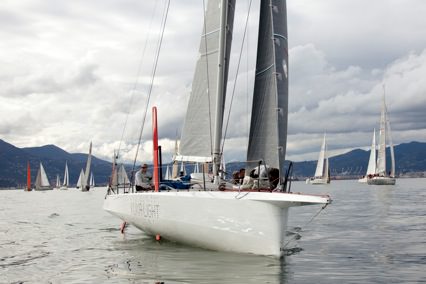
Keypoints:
pixel 369 234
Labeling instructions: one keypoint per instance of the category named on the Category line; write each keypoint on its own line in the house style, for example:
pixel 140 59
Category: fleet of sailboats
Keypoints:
pixel 217 217
pixel 322 171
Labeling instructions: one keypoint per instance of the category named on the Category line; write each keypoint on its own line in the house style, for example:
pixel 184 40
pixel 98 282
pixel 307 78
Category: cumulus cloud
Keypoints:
pixel 69 75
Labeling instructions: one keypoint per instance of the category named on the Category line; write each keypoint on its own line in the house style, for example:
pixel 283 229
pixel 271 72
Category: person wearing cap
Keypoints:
pixel 143 179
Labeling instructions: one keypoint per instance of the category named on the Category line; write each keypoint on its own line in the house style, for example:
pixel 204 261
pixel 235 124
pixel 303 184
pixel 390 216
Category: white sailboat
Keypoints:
pixel 322 171
pixel 80 180
pixel 243 221
pixel 42 182
pixel 92 180
pixel 381 176
pixel 66 178
pixel 85 185
pixel 58 182
pixel 371 168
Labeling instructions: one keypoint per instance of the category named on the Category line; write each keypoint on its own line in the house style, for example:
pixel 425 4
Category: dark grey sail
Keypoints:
pixel 197 133
pixel 268 129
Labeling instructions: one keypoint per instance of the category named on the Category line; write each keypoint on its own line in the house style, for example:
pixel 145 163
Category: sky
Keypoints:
pixel 72 72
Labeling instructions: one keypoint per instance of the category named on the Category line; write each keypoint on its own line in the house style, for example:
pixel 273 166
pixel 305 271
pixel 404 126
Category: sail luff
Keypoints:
pixel 268 127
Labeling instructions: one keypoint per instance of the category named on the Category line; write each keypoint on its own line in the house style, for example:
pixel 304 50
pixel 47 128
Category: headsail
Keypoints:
pixel 320 169
pixel 85 181
pixel 197 134
pixel 66 175
pixel 268 129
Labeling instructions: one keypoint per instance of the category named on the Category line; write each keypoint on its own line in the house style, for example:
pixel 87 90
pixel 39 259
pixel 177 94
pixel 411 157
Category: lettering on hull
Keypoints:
pixel 146 207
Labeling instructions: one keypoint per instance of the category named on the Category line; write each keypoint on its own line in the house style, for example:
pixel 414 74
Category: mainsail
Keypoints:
pixel 42 182
pixel 381 156
pixel 85 181
pixel 66 175
pixel 385 133
pixel 371 169
pixel 320 170
pixel 197 134
pixel 268 129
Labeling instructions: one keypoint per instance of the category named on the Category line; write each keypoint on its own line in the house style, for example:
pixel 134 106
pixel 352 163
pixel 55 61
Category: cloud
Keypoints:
pixel 69 75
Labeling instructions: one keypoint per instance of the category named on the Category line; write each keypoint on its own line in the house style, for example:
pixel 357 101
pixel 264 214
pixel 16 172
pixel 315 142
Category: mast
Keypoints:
pixel 217 134
pixel 381 159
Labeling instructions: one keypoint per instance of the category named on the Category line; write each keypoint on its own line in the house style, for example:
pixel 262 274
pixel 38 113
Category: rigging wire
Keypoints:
pixel 132 90
pixel 236 76
pixel 157 54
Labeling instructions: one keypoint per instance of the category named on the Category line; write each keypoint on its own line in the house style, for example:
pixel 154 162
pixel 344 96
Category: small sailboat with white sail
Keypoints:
pixel 65 184
pixel 80 180
pixel 85 185
pixel 92 180
pixel 58 182
pixel 371 168
pixel 381 175
pixel 322 171
pixel 42 182
pixel 218 217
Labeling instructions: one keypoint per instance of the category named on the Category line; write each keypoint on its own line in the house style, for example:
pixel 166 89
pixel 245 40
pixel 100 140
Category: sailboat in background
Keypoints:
pixel 58 182
pixel 371 168
pixel 66 178
pixel 42 182
pixel 85 186
pixel 322 171
pixel 217 217
pixel 80 180
pixel 381 176
pixel 92 180
pixel 28 188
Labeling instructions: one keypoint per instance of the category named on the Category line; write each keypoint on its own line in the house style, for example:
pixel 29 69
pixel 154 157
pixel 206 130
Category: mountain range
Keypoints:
pixel 410 158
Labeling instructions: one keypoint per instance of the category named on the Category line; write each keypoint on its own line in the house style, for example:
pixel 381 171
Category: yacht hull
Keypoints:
pixel 319 181
pixel 242 222
pixel 381 181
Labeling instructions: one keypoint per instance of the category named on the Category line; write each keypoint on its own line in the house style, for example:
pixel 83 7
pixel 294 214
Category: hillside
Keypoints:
pixel 410 158
pixel 13 164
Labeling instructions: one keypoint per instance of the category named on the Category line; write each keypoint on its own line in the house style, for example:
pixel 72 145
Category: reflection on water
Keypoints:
pixel 369 234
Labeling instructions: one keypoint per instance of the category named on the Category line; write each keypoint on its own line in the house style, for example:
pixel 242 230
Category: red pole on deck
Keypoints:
pixel 155 143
